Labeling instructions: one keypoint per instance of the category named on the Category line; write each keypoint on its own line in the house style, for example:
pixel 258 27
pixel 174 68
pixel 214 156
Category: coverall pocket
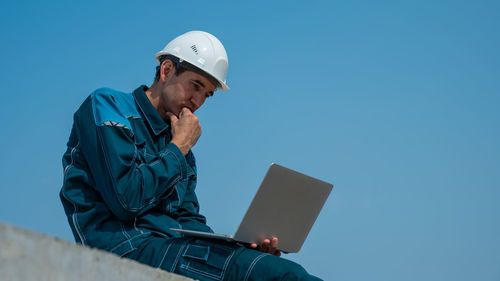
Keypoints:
pixel 206 260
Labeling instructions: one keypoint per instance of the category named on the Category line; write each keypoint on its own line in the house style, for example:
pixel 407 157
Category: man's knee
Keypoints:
pixel 275 268
pixel 295 272
pixel 299 274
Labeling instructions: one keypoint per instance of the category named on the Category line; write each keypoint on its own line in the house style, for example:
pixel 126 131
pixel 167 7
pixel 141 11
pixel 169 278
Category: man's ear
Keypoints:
pixel 167 70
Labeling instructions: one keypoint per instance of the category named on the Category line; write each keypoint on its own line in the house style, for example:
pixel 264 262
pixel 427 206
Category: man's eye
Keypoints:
pixel 196 87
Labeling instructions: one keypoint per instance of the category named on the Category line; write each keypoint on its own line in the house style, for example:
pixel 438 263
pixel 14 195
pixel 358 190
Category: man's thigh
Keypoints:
pixel 251 265
pixel 195 258
pixel 216 260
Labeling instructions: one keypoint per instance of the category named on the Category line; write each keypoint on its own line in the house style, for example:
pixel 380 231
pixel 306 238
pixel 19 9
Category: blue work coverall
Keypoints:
pixel 125 185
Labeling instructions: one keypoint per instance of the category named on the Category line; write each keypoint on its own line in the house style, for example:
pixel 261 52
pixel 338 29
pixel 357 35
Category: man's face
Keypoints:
pixel 188 89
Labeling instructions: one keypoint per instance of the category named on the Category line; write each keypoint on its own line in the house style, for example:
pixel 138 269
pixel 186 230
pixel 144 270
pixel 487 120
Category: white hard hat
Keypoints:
pixel 202 50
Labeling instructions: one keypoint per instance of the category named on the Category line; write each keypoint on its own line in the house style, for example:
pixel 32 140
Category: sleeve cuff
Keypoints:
pixel 172 148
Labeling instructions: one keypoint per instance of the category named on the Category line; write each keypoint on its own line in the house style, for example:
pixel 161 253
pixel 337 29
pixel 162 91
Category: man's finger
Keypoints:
pixel 265 245
pixel 274 246
pixel 172 116
pixel 185 110
pixel 274 243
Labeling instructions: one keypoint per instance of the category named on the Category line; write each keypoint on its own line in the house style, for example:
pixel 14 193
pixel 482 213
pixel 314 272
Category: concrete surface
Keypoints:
pixel 27 256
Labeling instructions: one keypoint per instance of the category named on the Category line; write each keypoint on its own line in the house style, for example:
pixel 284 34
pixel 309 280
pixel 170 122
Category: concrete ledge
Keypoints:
pixel 27 256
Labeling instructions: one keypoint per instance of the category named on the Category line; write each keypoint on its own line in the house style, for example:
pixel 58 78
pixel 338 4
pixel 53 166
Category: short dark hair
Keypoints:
pixel 181 66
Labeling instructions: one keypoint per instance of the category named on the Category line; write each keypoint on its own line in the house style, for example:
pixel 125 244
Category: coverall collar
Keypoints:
pixel 152 116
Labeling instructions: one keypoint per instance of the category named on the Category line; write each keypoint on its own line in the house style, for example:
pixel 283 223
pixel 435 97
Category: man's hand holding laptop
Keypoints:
pixel 266 246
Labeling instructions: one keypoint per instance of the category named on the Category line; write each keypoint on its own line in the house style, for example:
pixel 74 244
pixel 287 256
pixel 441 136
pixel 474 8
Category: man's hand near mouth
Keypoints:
pixel 186 129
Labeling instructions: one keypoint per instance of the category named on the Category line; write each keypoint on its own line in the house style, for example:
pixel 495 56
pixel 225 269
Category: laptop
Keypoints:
pixel 285 206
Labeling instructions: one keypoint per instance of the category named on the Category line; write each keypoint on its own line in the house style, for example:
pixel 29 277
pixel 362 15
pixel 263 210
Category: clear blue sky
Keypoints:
pixel 394 102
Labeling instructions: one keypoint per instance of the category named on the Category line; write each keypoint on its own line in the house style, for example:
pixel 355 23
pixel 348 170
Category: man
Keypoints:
pixel 130 175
